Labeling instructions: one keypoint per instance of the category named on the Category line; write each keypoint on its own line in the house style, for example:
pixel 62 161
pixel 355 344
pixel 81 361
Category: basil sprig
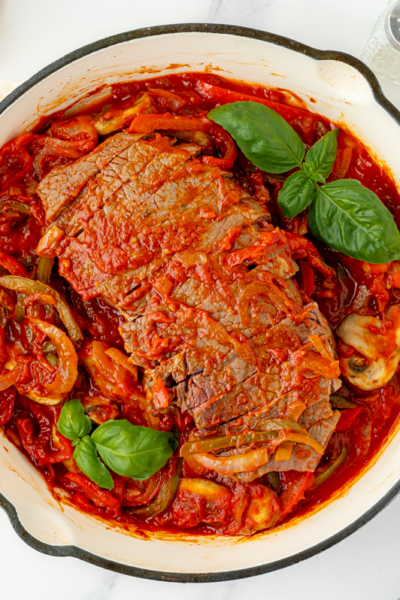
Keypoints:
pixel 129 450
pixel 344 214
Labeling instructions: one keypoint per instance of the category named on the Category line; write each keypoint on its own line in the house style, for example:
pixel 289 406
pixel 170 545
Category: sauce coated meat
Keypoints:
pixel 149 273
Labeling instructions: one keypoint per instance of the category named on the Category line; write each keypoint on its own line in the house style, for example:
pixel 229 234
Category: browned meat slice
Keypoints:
pixel 316 412
pixel 123 168
pixel 207 288
pixel 258 390
pixel 174 214
pixel 63 184
pixel 313 393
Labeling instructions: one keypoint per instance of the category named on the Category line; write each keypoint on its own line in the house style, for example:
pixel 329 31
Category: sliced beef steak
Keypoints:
pixel 63 184
pixel 206 287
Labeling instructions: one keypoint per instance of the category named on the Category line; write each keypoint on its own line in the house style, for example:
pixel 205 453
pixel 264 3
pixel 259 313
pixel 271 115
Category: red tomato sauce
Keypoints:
pixel 359 286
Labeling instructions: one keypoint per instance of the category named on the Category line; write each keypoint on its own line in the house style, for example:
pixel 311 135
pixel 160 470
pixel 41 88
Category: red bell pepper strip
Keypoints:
pixel 223 96
pixel 12 265
pixel 167 99
pixel 82 502
pixel 17 144
pixel 100 498
pixel 348 418
pixel 153 122
pixel 20 167
pixel 7 398
pixel 307 278
pixel 48 446
pixel 160 395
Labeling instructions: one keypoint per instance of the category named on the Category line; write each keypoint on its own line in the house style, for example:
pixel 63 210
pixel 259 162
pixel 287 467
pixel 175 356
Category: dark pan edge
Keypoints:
pixel 393 112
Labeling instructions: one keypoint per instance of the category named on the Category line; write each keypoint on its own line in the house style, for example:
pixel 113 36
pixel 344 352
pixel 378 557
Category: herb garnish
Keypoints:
pixel 129 450
pixel 344 214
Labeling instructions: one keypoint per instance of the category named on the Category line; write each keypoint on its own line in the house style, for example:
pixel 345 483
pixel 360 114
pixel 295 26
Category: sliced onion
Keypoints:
pixel 296 409
pixel 228 465
pixel 50 400
pixel 67 370
pixel 120 358
pixel 284 452
pixel 319 346
pixel 23 285
pixel 8 379
pixel 47 243
pixel 299 438
pixel 113 370
pixel 269 289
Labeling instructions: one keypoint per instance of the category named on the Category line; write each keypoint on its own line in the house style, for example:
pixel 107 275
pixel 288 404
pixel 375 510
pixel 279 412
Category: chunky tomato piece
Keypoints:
pixel 39 435
pixel 201 501
pixel 7 398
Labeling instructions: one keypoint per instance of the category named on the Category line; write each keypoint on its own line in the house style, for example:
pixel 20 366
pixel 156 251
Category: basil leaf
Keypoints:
pixel 86 458
pixel 321 156
pixel 297 193
pixel 73 423
pixel 132 450
pixel 351 219
pixel 263 136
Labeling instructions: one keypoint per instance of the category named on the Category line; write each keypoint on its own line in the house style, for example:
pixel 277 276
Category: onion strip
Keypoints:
pixel 67 370
pixel 23 285
pixel 50 400
pixel 228 465
pixel 8 379
pixel 120 358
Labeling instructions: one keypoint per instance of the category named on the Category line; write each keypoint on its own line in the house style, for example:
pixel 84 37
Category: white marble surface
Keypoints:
pixel 36 32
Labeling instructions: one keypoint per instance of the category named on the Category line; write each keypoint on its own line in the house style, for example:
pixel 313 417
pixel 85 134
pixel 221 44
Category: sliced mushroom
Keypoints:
pixel 113 119
pixel 379 346
pixel 197 137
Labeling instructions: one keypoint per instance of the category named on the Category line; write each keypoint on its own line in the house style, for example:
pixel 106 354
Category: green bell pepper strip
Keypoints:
pixel 26 286
pixel 322 477
pixel 45 266
pixel 163 499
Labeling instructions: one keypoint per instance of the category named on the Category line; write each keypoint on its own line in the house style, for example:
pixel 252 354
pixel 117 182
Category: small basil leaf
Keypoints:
pixel 73 423
pixel 132 450
pixel 86 458
pixel 263 136
pixel 321 156
pixel 309 171
pixel 317 177
pixel 297 193
pixel 351 219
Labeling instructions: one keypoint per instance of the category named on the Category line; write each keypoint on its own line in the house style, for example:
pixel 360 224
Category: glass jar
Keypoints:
pixel 382 52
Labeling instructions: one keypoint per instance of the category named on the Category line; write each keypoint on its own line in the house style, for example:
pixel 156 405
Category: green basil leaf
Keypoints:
pixel 297 193
pixel 131 450
pixel 86 458
pixel 321 156
pixel 351 219
pixel 263 136
pixel 73 423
